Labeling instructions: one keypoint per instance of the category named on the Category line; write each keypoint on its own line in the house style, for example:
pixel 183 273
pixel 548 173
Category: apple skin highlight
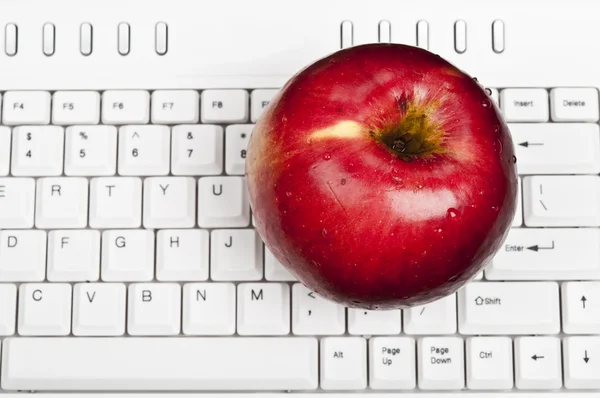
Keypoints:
pixel 382 177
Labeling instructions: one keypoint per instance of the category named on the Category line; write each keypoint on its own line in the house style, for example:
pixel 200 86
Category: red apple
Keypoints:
pixel 382 176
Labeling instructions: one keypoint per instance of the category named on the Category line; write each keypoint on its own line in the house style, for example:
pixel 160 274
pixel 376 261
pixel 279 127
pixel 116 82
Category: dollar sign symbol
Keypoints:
pixel 28 136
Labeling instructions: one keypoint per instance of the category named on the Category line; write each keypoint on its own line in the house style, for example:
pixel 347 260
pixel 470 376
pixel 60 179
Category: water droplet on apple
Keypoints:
pixel 420 186
pixel 486 103
pixel 324 232
pixel 397 180
pixel 343 181
pixel 327 156
pixel 488 91
pixel 514 159
pixel 475 79
pixel 288 194
pixel 451 213
pixel 308 141
pixel 439 230
pixel 495 208
pixel 496 128
pixel 498 146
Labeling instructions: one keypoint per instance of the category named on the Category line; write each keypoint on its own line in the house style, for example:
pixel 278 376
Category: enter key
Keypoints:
pixel 547 254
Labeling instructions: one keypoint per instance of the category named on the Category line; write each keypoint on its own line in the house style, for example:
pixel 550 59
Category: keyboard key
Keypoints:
pixel 561 201
pixel 580 362
pixel 314 315
pixel 61 202
pixel 538 363
pixel 274 270
pixel 259 101
pixel 116 202
pixel 144 150
pixel 489 363
pixel 175 106
pixel 209 308
pixel 263 309
pixel 159 364
pixel 236 142
pixel 223 202
pixel 574 104
pixel 37 151
pixel 17 202
pixel 438 317
pixel 76 107
pixel 125 107
pixel 507 308
pixel 524 104
pixel 236 255
pixel 4 150
pixel 44 309
pixel 169 202
pixel 73 256
pixel 197 150
pixel 343 363
pixel 542 148
pixel 26 107
pixel 154 309
pixel 224 106
pixel 182 255
pixel 553 154
pixel 547 254
pixel 91 151
pixel 392 363
pixel 441 363
pixel 8 309
pixel 363 322
pixel 22 256
pixel 99 309
pixel 127 255
pixel 581 307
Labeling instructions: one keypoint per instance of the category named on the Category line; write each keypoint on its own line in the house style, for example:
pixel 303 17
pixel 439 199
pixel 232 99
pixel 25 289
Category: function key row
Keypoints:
pixel 133 106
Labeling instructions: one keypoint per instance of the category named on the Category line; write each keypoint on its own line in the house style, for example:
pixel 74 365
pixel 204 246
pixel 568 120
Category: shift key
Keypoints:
pixel 501 308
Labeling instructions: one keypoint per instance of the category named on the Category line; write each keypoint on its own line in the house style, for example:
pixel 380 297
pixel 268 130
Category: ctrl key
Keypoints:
pixel 441 363
pixel 392 363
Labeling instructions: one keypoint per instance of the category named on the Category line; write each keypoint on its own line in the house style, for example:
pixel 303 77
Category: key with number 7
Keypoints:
pixel 197 150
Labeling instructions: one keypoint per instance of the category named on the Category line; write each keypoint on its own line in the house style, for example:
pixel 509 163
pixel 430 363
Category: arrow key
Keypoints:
pixel 581 307
pixel 538 363
pixel 582 362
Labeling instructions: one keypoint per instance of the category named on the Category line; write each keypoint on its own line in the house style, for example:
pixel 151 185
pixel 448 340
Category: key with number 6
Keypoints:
pixel 144 150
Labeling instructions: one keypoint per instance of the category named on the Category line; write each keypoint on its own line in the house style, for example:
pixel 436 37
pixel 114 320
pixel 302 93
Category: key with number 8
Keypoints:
pixel 236 143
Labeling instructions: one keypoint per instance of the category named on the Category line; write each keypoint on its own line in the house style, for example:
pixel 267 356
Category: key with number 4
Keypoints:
pixel 37 151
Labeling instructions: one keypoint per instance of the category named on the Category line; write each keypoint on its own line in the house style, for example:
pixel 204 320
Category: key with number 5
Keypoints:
pixel 236 143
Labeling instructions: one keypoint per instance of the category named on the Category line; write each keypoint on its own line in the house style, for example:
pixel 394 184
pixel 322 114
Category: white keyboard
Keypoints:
pixel 128 258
